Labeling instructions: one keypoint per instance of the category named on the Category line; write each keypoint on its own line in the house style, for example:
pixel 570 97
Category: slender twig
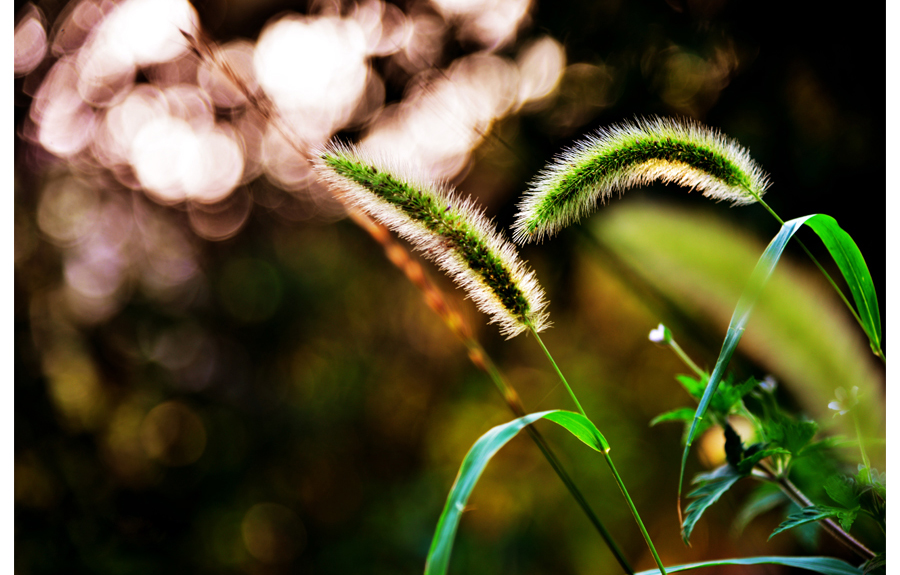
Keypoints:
pixel 829 525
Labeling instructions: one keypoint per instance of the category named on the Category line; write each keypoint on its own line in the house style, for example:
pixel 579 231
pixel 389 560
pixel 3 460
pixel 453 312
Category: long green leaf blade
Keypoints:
pixel 714 485
pixel 852 265
pixel 850 261
pixel 761 273
pixel 477 459
pixel 823 565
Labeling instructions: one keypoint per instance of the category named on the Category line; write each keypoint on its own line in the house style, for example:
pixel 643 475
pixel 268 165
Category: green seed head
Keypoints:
pixel 633 154
pixel 454 234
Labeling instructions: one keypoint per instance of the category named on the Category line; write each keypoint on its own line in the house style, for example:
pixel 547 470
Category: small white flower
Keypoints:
pixel 845 401
pixel 661 335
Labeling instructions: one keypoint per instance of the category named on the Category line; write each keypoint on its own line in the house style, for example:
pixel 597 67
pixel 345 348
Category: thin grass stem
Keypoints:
pixel 686 359
pixel 862 449
pixel 612 467
pixel 558 372
pixel 634 512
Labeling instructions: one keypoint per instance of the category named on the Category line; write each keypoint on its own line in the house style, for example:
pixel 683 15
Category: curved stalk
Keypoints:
pixel 612 467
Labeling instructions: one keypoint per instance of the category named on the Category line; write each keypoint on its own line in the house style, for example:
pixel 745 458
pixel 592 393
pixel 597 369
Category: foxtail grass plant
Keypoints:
pixel 459 238
pixel 520 306
pixel 456 235
pixel 682 152
pixel 480 358
pixel 629 155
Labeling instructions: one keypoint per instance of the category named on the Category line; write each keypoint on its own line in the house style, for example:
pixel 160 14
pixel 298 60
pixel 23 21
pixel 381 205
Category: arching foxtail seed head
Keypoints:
pixel 633 154
pixel 453 233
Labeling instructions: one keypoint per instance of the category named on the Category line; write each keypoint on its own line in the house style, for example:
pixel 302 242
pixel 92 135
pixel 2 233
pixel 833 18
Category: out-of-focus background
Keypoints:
pixel 215 371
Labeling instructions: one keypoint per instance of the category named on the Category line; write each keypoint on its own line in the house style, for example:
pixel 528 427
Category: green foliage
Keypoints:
pixel 712 486
pixel 816 513
pixel 856 273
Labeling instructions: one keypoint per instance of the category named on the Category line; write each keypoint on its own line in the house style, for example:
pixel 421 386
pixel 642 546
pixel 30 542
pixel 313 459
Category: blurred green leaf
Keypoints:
pixel 799 330
pixel 824 565
pixel 764 498
pixel 477 459
pixel 680 414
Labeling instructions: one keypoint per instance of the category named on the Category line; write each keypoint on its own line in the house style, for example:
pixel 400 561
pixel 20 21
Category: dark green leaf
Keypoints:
pixel 823 565
pixel 823 444
pixel 713 485
pixel 843 490
pixel 816 513
pixel 791 434
pixel 853 267
pixel 761 273
pixel 473 465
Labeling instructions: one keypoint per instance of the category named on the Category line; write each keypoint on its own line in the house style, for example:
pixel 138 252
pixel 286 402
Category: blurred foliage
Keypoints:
pixel 270 395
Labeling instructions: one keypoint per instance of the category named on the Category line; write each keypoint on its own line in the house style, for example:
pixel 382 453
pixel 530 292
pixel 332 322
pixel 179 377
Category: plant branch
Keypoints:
pixel 829 525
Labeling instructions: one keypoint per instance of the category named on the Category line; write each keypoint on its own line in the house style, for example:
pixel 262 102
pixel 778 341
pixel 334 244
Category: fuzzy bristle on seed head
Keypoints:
pixel 454 234
pixel 634 154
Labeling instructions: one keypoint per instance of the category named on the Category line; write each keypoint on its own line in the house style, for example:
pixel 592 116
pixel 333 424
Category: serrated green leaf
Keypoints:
pixel 791 434
pixel 843 490
pixel 816 513
pixel 477 459
pixel 746 464
pixel 680 414
pixel 823 565
pixel 853 267
pixel 713 486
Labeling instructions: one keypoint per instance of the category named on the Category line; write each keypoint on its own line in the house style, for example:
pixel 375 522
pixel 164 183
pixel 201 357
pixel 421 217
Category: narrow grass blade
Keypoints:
pixel 823 565
pixel 477 459
pixel 738 324
pixel 850 261
pixel 852 265
pixel 714 486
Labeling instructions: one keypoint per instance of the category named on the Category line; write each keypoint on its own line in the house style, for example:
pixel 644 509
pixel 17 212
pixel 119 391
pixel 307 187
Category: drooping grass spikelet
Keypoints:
pixel 633 154
pixel 454 234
